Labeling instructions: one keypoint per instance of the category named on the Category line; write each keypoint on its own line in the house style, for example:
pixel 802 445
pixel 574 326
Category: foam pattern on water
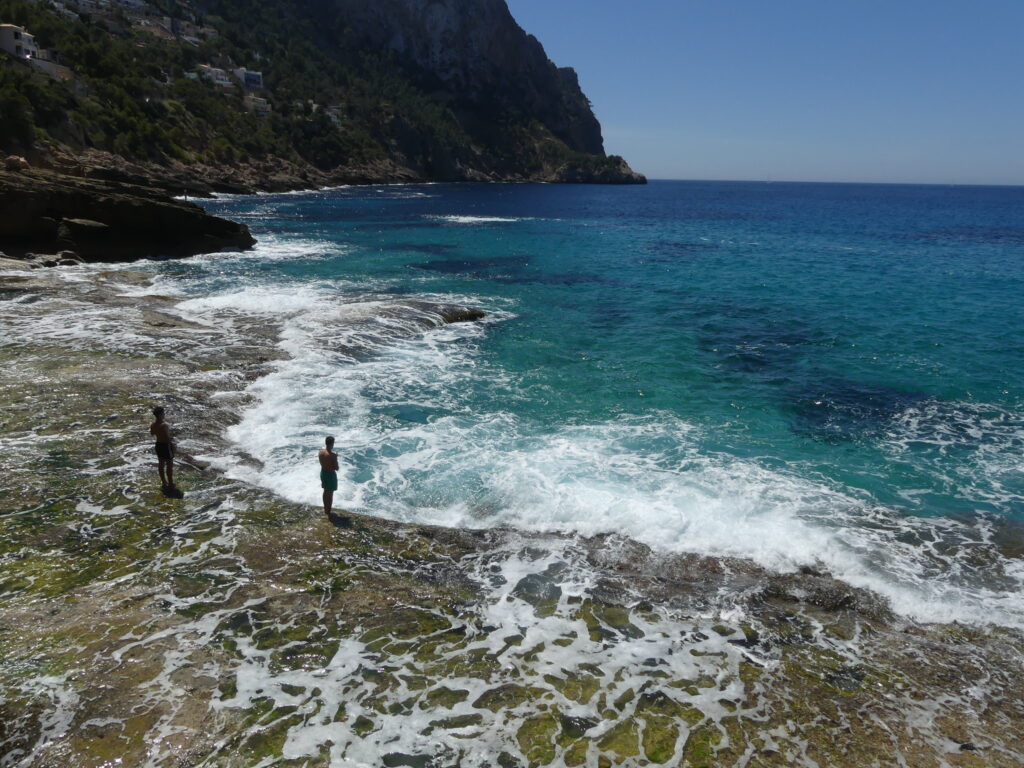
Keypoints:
pixel 216 635
pixel 531 654
pixel 405 396
pixel 977 448
pixel 393 387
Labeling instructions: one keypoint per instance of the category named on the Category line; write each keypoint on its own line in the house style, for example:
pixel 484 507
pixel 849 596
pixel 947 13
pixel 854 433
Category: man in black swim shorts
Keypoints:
pixel 161 430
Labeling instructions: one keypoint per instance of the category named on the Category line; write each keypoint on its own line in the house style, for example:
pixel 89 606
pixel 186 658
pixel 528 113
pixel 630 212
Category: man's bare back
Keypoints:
pixel 328 460
pixel 161 430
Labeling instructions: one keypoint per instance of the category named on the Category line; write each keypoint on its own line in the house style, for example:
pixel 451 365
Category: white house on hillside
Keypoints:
pixel 216 76
pixel 257 105
pixel 17 42
pixel 253 81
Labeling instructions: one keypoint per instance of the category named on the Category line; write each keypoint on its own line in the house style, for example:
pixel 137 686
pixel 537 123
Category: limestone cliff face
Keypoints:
pixel 478 56
pixel 525 117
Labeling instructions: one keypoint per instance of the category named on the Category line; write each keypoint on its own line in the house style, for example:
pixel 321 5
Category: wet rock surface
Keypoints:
pixel 231 628
pixel 73 218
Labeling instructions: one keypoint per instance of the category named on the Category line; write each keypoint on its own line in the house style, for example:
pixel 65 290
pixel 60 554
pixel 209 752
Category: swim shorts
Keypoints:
pixel 164 451
pixel 329 480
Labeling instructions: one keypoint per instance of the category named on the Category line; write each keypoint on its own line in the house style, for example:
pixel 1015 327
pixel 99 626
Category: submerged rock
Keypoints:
pixel 428 314
pixel 828 594
pixel 455 314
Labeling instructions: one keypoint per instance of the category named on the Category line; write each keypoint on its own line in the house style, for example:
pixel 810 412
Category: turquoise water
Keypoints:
pixel 797 373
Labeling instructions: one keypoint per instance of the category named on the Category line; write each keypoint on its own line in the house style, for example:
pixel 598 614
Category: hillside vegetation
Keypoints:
pixel 339 93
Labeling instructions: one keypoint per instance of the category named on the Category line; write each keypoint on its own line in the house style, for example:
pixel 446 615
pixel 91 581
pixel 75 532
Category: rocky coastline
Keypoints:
pixel 279 175
pixel 231 627
pixel 99 207
pixel 51 217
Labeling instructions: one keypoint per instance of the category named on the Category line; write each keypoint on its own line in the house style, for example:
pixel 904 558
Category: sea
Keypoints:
pixel 684 408
pixel 803 375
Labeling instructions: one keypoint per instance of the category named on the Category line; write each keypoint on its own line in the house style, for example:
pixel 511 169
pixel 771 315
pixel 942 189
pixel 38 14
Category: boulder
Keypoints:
pixel 107 221
pixel 16 163
pixel 42 259
pixel 451 313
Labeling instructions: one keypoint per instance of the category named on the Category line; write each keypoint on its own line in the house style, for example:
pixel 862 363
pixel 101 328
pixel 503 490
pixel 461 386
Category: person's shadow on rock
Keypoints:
pixel 339 521
pixel 172 492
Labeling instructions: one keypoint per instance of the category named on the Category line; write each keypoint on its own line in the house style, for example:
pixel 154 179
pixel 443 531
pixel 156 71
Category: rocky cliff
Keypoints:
pixel 473 55
pixel 523 116
pixel 353 90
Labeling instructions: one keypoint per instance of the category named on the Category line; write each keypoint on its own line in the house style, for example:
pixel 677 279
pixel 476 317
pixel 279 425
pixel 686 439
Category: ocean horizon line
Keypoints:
pixel 658 180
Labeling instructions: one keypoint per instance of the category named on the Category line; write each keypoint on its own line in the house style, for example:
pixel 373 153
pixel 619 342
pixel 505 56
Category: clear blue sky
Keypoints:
pixel 803 90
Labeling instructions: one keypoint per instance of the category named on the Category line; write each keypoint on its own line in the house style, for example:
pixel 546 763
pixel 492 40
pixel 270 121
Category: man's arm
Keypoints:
pixel 334 461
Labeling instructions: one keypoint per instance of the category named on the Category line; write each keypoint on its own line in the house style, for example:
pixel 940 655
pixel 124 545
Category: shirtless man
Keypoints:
pixel 161 430
pixel 328 473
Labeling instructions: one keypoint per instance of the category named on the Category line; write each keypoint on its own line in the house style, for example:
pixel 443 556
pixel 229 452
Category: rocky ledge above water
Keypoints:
pixel 280 175
pixel 96 220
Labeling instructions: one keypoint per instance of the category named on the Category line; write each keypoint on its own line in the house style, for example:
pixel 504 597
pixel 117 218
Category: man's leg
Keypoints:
pixel 170 472
pixel 328 501
pixel 160 467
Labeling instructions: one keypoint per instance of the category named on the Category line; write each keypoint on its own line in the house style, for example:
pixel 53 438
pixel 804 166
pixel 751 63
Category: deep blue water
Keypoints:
pixel 790 372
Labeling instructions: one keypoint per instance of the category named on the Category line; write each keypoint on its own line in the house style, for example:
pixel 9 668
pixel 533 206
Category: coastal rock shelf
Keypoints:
pixel 105 221
pixel 232 628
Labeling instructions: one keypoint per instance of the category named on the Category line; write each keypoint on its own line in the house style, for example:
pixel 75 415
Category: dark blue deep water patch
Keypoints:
pixel 973 235
pixel 431 248
pixel 475 266
pixel 835 410
pixel 754 341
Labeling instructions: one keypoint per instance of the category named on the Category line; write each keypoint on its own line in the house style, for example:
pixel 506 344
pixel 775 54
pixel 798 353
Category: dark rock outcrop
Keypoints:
pixel 605 170
pixel 451 313
pixel 525 119
pixel 101 220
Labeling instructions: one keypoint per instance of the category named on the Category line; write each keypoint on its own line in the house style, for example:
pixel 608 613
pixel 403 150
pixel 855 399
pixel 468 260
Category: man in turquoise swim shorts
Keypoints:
pixel 328 474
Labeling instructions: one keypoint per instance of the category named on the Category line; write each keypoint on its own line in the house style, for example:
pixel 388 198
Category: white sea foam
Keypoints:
pixel 592 480
pixel 977 448
pixel 257 300
pixel 271 248
pixel 477 219
pixel 403 398
pixel 509 630
pixel 415 447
